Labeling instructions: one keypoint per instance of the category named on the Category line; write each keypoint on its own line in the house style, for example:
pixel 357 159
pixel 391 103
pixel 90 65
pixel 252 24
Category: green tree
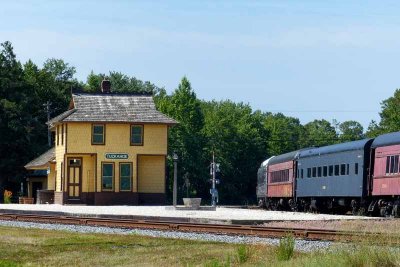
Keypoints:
pixel 239 139
pixel 23 92
pixel 350 131
pixel 52 83
pixel 390 114
pixel 120 83
pixel 284 132
pixel 318 133
pixel 186 138
pixel 16 121
pixel 374 130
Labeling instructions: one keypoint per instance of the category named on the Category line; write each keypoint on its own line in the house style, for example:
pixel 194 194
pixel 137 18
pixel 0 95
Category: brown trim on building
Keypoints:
pixel 78 154
pixel 95 173
pixel 63 180
pixel 166 161
pixel 130 134
pixel 113 198
pixel 165 174
pixel 61 176
pixel 66 137
pixel 116 198
pixel 131 178
pixel 80 176
pixel 58 135
pixel 152 198
pixel 113 177
pixel 62 134
pixel 122 122
pixel 137 173
pixel 104 134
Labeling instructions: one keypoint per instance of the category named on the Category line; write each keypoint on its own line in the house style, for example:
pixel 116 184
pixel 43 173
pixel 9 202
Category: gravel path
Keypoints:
pixel 300 245
pixel 161 211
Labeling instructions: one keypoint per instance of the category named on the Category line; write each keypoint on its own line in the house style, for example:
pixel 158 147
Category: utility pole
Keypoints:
pixel 47 105
pixel 175 190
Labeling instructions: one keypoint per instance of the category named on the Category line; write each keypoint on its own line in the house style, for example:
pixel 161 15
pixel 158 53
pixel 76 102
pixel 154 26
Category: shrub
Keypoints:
pixel 7 196
pixel 218 263
pixel 285 249
pixel 243 253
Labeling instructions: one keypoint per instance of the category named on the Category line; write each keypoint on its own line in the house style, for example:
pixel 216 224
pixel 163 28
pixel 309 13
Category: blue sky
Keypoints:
pixel 307 59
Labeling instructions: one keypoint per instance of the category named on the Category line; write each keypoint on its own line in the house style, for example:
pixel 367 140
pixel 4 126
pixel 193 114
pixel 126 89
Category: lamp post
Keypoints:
pixel 175 158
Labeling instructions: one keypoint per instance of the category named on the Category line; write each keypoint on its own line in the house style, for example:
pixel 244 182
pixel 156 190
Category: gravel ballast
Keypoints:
pixel 300 245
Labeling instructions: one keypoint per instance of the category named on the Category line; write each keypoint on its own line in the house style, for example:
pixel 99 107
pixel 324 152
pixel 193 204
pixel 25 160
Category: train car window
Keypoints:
pixel 347 169
pixel 336 170
pixel 392 164
pixel 325 171
pixel 308 172
pixel 301 173
pixel 280 176
pixel 356 168
pixel 319 171
pixel 314 171
pixel 342 169
pixel 330 170
pixel 387 164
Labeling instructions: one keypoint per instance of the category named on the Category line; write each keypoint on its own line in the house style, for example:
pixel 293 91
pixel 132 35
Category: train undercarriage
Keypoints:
pixel 383 207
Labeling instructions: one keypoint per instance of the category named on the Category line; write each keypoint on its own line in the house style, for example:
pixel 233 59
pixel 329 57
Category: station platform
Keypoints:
pixel 221 215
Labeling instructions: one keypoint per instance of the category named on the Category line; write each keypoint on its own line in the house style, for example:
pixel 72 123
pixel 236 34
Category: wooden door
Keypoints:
pixel 74 179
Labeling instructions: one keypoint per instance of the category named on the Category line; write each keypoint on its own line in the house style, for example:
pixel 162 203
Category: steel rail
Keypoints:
pixel 246 230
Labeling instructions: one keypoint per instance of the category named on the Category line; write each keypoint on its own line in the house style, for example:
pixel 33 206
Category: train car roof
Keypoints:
pixel 386 140
pixel 348 146
pixel 265 162
pixel 284 157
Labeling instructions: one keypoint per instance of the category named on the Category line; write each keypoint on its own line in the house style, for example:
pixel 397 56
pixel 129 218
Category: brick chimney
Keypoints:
pixel 106 86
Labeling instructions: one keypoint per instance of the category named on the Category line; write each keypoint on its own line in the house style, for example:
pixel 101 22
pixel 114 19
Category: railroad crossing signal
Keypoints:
pixel 214 170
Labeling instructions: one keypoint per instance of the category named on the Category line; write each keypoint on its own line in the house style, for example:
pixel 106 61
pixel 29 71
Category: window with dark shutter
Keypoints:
pixel 107 176
pixel 136 135
pixel 125 176
pixel 98 134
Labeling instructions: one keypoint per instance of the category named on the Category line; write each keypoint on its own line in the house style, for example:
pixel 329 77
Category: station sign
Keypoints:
pixel 117 156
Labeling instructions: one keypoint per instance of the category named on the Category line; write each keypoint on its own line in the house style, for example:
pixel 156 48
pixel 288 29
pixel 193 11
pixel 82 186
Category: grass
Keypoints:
pixel 243 253
pixel 34 247
pixel 285 249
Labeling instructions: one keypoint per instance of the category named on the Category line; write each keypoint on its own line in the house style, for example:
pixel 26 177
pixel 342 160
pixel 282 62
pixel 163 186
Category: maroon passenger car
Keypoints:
pixel 384 183
pixel 281 180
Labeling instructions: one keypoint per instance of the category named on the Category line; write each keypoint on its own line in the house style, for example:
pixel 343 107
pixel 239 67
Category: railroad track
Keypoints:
pixel 261 231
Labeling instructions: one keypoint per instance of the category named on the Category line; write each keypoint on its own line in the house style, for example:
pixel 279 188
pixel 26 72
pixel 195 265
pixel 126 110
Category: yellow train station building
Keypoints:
pixel 110 149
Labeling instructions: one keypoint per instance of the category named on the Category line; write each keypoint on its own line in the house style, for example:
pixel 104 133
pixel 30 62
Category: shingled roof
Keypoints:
pixel 41 161
pixel 88 107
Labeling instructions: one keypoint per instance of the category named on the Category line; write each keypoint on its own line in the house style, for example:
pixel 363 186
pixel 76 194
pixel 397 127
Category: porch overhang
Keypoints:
pixel 43 161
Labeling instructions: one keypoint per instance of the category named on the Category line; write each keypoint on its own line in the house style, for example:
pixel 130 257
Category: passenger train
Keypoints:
pixel 360 176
